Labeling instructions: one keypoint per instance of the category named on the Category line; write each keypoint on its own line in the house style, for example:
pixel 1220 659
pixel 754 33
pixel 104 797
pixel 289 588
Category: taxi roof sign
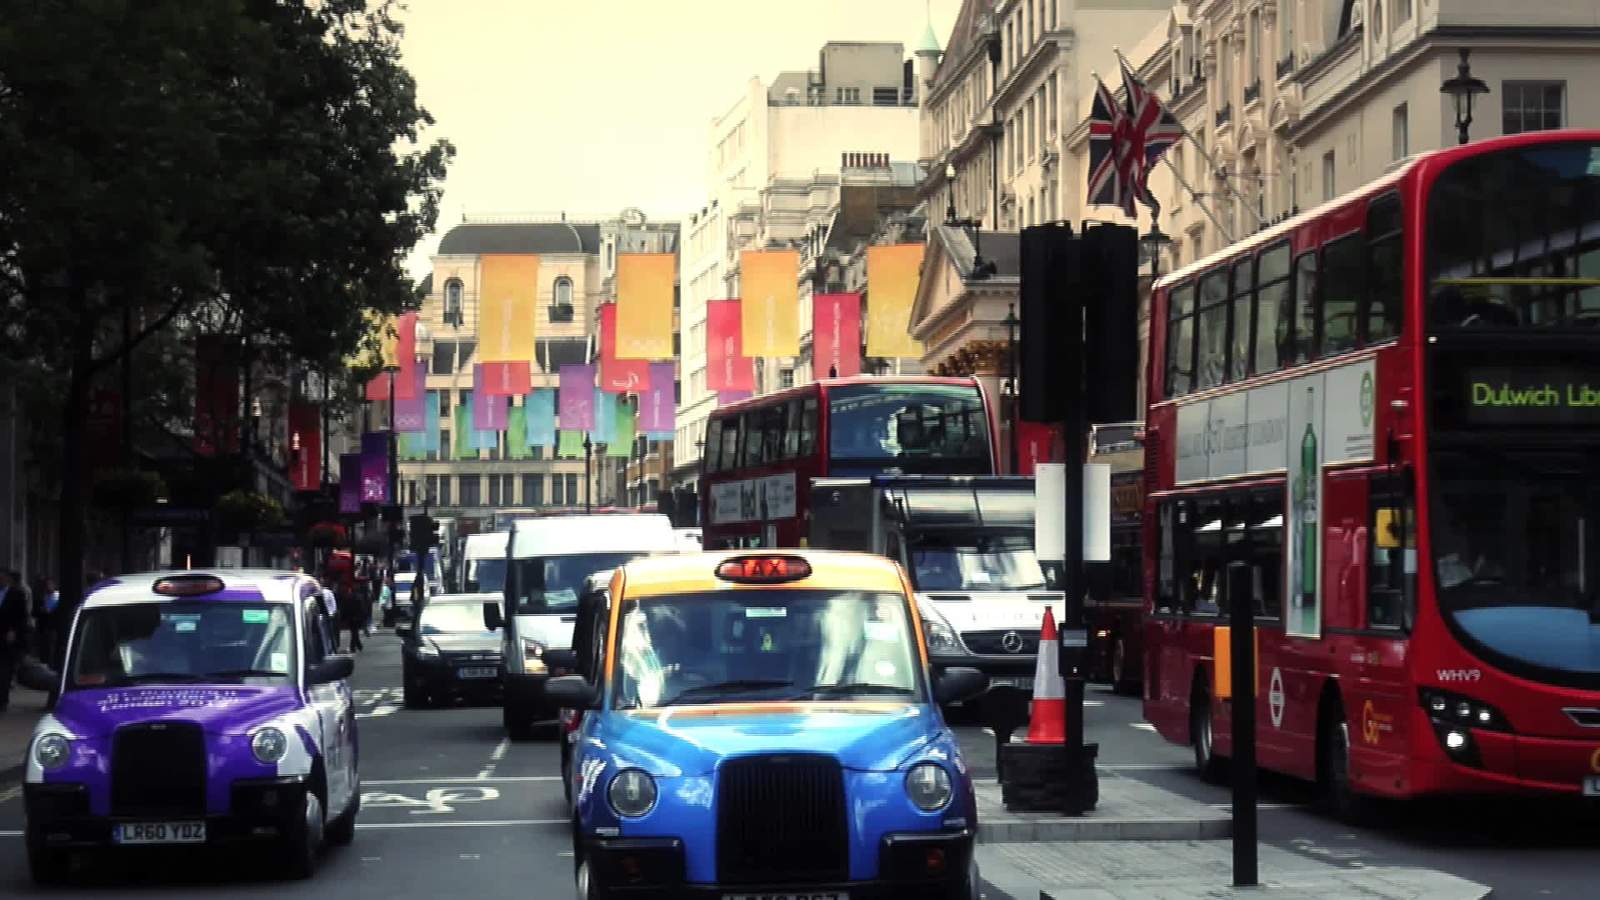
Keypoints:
pixel 187 585
pixel 764 569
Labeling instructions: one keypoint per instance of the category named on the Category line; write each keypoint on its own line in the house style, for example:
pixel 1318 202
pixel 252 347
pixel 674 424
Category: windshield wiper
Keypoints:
pixel 179 677
pixel 856 687
pixel 246 673
pixel 727 687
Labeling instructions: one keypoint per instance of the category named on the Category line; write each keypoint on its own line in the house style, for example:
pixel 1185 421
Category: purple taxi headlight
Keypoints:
pixel 269 744
pixel 51 750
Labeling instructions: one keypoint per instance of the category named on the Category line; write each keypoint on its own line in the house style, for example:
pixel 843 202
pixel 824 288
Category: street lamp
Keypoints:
pixel 394 463
pixel 981 268
pixel 1153 243
pixel 1462 89
pixel 588 474
pixel 1011 323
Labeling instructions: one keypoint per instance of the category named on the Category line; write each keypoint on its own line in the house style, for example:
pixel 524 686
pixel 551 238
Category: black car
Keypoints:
pixel 448 654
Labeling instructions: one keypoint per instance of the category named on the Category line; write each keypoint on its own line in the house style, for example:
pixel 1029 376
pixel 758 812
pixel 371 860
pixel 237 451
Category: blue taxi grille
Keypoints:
pixel 158 769
pixel 781 820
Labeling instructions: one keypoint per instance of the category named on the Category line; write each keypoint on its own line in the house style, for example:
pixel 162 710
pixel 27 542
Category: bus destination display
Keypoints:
pixel 1537 395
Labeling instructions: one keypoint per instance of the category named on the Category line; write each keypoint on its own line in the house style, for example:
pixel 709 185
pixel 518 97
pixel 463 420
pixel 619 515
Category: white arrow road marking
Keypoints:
pixel 438 800
pixel 447 823
pixel 463 780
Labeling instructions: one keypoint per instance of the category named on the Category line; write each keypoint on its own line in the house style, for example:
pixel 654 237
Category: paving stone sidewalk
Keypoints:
pixel 1192 870
pixel 1128 810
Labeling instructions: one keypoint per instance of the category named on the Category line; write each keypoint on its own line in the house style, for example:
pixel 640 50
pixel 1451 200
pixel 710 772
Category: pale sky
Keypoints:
pixel 591 106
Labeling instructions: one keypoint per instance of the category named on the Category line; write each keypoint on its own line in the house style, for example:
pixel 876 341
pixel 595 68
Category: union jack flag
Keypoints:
pixel 1109 173
pixel 1152 130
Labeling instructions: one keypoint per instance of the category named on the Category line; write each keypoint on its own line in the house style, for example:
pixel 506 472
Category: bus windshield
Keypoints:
pixel 912 428
pixel 1533 263
pixel 1516 556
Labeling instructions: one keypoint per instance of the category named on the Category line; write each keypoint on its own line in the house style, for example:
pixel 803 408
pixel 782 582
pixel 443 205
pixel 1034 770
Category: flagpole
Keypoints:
pixel 1199 148
pixel 1195 195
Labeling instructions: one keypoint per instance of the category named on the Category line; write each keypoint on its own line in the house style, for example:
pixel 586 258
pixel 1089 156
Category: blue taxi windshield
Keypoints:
pixel 739 646
pixel 191 642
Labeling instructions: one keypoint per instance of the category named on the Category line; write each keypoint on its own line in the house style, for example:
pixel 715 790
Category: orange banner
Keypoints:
pixel 644 305
pixel 770 302
pixel 892 274
pixel 507 300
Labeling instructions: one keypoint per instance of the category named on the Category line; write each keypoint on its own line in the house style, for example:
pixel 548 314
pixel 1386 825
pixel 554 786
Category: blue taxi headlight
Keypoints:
pixel 928 786
pixel 269 744
pixel 632 793
pixel 51 751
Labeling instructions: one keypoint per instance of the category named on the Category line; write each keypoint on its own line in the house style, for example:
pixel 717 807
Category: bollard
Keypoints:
pixel 1242 627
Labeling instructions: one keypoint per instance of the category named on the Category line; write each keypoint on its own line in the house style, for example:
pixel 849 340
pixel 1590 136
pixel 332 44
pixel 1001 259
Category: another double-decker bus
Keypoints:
pixel 1114 609
pixel 761 454
pixel 1388 409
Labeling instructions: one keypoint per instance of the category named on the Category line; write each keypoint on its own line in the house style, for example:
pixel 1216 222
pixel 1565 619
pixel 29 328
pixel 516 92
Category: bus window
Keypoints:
pixel 912 427
pixel 771 420
pixel 791 429
pixel 754 436
pixel 808 426
pixel 1240 343
pixel 1341 293
pixel 1167 571
pixel 730 444
pixel 1274 311
pixel 1306 318
pixel 1265 521
pixel 1212 358
pixel 713 445
pixel 1180 341
pixel 1384 282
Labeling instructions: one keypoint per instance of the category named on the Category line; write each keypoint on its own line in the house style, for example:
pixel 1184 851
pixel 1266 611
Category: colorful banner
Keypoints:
pixel 727 368
pixel 570 445
pixel 464 448
pixel 728 398
pixel 577 398
pixel 305 442
pixel 488 408
pixel 620 376
pixel 486 438
pixel 622 432
pixel 836 335
pixel 605 417
pixel 216 395
pixel 431 426
pixel 349 482
pixel 507 307
pixel 644 305
pixel 412 447
pixel 517 434
pixel 411 413
pixel 892 274
pixel 541 405
pixel 406 357
pixel 657 405
pixel 378 388
pixel 770 302
pixel 375 467
pixel 503 379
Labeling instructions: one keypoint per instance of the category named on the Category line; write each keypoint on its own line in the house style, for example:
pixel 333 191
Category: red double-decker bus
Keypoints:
pixel 762 453
pixel 1388 409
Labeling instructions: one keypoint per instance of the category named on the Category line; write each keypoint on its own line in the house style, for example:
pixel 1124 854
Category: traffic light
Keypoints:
pixel 424 533
pixel 397 534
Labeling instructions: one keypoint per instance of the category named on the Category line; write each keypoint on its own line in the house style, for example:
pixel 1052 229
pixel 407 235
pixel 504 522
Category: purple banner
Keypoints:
pixel 411 415
pixel 375 467
pixel 349 482
pixel 489 413
pixel 727 398
pixel 656 407
pixel 577 398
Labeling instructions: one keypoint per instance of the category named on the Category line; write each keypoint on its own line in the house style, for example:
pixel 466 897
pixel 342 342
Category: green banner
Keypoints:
pixel 464 435
pixel 621 446
pixel 517 434
pixel 569 445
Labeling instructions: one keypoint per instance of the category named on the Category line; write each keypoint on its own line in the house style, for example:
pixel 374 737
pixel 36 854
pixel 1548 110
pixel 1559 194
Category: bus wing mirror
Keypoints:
pixel 492 619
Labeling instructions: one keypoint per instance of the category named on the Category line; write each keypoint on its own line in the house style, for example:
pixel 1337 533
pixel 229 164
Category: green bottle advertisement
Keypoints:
pixel 1306 517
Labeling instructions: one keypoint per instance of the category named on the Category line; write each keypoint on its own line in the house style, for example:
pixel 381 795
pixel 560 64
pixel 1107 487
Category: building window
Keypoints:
pixel 1253 60
pixel 533 490
pixel 471 486
pixel 847 96
pixel 785 378
pixel 1532 105
pixel 431 490
pixel 1400 137
pixel 572 490
pixel 452 302
pixel 561 304
pixel 494 490
pixel 1224 75
pixel 1050 106
pixel 1402 11
pixel 1328 175
pixel 885 96
pixel 1033 144
pixel 444 487
pixel 558 490
pixel 1286 16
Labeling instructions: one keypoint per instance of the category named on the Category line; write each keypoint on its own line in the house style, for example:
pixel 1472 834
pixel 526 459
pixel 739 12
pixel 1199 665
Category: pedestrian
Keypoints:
pixel 13 630
pixel 46 600
pixel 350 619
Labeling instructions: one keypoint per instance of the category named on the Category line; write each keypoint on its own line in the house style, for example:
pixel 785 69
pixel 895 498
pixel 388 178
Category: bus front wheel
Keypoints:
pixel 1201 734
pixel 1339 793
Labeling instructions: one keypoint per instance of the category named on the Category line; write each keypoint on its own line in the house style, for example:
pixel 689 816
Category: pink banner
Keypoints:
pixel 489 412
pixel 727 368
pixel 375 467
pixel 836 335
pixel 728 398
pixel 405 388
pixel 619 376
pixel 502 379
pixel 378 388
pixel 305 437
pixel 577 398
pixel 411 413
pixel 657 406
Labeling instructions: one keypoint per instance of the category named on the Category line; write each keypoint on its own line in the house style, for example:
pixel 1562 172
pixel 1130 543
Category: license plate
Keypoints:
pixel 159 833
pixel 1018 681
pixel 1591 786
pixel 478 672
pixel 803 895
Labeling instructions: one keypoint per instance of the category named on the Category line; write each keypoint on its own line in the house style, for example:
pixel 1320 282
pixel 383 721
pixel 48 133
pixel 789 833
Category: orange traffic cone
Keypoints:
pixel 1048 722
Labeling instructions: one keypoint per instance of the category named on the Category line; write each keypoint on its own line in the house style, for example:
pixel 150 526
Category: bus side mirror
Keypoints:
pixel 492 619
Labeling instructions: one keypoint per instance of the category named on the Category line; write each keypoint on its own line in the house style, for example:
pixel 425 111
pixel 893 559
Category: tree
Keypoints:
pixel 166 159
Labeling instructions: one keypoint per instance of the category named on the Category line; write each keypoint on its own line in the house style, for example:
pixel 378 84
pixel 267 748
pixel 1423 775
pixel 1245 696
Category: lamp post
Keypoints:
pixel 393 492
pixel 981 268
pixel 1012 396
pixel 588 474
pixel 1154 242
pixel 1462 89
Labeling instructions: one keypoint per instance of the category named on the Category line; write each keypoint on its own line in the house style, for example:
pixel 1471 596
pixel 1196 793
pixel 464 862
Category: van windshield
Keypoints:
pixel 552 583
pixel 183 643
pixel 486 575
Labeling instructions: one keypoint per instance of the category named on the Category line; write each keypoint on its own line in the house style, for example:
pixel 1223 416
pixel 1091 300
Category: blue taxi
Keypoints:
pixel 767 726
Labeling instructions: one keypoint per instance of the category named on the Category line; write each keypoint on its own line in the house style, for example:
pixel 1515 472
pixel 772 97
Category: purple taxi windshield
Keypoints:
pixel 183 643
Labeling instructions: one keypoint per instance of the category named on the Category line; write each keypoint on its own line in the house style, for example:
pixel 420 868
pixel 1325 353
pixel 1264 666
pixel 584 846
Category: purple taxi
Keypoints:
pixel 195 708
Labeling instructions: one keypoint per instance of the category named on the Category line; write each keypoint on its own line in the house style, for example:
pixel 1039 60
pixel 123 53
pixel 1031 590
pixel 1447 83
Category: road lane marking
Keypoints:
pixel 1142 726
pixel 470 779
pixel 438 800
pixel 445 823
pixel 500 750
pixel 11 793
pixel 385 709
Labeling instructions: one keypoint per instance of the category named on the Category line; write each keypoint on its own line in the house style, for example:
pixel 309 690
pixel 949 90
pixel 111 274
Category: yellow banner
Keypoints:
pixel 507 300
pixel 644 305
pixel 892 273
pixel 770 302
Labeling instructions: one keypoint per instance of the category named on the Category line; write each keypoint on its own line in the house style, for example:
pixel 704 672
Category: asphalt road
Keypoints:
pixel 452 809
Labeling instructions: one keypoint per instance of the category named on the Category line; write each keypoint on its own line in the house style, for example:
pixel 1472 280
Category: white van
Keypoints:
pixel 549 559
pixel 483 563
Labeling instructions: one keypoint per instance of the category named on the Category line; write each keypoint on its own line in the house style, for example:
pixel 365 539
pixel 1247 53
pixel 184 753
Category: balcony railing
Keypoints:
pixel 1252 92
pixel 1225 115
pixel 1286 65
